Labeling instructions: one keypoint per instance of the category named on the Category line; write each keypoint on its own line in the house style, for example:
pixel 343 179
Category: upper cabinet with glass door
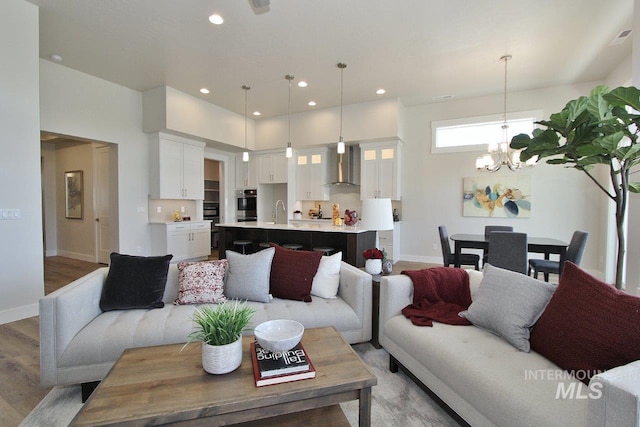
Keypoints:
pixel 380 170
pixel 312 174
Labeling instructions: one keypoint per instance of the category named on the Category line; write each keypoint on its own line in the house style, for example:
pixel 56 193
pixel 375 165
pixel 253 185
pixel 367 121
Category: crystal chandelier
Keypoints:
pixel 500 154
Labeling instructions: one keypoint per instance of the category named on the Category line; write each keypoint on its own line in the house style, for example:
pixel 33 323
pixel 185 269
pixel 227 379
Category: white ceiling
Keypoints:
pixel 415 49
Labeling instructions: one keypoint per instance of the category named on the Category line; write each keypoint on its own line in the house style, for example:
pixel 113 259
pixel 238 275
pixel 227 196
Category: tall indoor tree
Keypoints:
pixel 599 129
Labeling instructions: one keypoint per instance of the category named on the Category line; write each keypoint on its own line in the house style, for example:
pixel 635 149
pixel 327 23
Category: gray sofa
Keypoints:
pixel 79 343
pixel 488 382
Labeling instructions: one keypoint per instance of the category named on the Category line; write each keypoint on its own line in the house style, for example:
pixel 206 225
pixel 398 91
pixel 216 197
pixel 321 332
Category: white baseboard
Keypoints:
pixel 51 252
pixel 18 313
pixel 78 256
pixel 419 258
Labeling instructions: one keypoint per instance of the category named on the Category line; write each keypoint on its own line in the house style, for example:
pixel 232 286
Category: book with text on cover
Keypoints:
pixel 278 378
pixel 286 362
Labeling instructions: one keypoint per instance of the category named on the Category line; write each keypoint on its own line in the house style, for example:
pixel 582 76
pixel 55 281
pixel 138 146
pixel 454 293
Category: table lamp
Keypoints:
pixel 377 214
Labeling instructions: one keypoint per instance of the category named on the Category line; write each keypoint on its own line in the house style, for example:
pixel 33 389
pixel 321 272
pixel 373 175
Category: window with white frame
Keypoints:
pixel 476 133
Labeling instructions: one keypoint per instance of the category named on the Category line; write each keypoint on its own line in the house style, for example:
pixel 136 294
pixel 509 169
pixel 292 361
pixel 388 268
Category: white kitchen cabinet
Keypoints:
pixel 389 240
pixel 272 168
pixel 380 170
pixel 177 168
pixel 184 240
pixel 246 173
pixel 312 174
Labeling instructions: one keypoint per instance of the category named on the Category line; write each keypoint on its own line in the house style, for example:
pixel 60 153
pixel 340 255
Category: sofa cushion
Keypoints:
pixel 327 279
pixel 134 282
pixel 248 275
pixel 509 304
pixel 201 282
pixel 588 326
pixel 292 273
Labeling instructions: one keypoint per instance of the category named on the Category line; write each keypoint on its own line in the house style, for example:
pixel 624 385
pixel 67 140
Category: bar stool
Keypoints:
pixel 292 246
pixel 243 245
pixel 325 249
pixel 265 245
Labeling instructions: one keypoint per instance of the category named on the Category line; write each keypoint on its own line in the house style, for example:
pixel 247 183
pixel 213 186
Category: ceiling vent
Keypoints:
pixel 620 38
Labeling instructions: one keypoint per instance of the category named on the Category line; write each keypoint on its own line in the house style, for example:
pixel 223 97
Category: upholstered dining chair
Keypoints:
pixel 448 256
pixel 574 254
pixel 508 250
pixel 490 228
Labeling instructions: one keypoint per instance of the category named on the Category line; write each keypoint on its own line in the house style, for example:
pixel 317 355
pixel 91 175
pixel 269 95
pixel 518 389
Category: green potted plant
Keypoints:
pixel 599 129
pixel 220 330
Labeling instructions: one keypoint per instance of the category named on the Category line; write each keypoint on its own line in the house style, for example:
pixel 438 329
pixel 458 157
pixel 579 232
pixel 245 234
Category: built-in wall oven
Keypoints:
pixel 246 205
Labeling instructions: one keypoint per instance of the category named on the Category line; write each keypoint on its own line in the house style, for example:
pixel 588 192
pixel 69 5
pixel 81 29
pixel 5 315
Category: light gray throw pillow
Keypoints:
pixel 509 304
pixel 248 275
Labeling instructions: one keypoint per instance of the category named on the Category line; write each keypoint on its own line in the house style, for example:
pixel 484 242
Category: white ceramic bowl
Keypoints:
pixel 279 335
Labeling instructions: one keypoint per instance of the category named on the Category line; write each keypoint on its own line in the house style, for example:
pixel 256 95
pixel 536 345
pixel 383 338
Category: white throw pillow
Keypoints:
pixel 327 278
pixel 248 275
pixel 509 304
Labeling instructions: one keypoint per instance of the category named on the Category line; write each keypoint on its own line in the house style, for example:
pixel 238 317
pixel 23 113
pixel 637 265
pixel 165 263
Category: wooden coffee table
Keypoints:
pixel 161 385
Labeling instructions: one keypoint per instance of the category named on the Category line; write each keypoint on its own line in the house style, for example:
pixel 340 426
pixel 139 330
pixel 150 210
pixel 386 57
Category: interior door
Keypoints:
pixel 103 220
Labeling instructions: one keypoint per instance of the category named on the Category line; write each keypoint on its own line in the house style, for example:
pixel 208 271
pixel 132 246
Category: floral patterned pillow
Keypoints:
pixel 201 282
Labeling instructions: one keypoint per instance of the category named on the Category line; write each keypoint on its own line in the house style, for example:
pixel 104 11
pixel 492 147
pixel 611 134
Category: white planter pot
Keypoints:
pixel 373 266
pixel 222 359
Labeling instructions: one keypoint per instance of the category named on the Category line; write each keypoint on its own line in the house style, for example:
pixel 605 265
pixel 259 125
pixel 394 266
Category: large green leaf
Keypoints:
pixel 632 153
pixel 519 141
pixel 610 142
pixel 589 150
pixel 598 107
pixel 634 187
pixel 623 96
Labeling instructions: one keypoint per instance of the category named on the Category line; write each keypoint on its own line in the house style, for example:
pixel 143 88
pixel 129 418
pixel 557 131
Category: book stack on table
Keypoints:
pixel 275 368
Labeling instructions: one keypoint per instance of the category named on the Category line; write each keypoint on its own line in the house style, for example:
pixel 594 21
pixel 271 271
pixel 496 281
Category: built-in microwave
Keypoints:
pixel 246 205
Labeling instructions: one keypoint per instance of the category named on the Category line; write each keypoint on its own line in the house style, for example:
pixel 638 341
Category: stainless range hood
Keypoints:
pixel 345 168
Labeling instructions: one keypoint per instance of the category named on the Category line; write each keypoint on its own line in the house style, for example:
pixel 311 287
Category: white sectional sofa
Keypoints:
pixel 488 382
pixel 79 343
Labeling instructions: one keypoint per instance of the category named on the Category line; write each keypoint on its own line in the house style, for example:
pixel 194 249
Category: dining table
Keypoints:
pixel 543 245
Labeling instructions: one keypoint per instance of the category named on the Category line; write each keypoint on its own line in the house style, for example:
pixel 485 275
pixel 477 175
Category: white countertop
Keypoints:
pixel 316 225
pixel 199 221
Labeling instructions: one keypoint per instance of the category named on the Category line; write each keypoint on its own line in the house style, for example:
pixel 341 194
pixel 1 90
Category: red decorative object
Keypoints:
pixel 373 253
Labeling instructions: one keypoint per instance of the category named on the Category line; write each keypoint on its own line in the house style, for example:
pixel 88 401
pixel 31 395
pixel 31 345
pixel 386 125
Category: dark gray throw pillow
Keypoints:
pixel 135 282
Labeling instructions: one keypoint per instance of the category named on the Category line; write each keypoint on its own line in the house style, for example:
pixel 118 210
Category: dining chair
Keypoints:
pixel 490 228
pixel 448 256
pixel 574 254
pixel 508 250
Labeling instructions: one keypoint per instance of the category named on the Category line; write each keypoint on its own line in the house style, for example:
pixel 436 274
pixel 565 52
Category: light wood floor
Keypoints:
pixel 20 389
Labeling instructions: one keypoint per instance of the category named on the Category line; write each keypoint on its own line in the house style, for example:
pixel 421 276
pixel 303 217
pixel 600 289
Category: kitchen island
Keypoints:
pixel 352 241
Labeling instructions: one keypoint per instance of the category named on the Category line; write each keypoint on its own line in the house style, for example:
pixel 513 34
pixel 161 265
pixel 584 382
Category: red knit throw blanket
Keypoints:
pixel 438 294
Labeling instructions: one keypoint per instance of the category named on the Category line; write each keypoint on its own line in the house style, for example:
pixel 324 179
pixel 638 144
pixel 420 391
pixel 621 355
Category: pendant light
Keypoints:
pixel 500 154
pixel 245 154
pixel 341 147
pixel 289 152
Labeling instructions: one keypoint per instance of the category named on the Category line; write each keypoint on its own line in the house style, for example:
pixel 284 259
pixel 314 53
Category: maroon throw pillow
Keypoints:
pixel 588 326
pixel 292 273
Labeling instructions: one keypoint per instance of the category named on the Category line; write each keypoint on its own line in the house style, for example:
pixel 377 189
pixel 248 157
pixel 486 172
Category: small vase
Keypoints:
pixel 222 359
pixel 387 266
pixel 373 266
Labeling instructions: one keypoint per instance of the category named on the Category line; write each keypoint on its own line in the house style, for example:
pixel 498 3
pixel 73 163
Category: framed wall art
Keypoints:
pixel 73 192
pixel 497 196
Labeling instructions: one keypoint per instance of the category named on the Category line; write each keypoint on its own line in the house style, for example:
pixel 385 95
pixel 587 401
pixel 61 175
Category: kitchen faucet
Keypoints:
pixel 283 208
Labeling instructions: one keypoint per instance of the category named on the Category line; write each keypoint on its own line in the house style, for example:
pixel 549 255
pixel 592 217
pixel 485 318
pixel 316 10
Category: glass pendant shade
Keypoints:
pixel 245 154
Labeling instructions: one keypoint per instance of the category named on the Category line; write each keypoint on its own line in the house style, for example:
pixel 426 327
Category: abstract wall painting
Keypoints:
pixel 497 196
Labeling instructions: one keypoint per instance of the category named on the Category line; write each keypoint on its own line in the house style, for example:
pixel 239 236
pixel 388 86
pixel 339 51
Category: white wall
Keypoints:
pixel 75 237
pixel 361 122
pixel 80 105
pixel 432 183
pixel 21 270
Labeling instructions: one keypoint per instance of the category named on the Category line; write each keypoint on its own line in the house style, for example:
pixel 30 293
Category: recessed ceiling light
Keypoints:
pixel 381 91
pixel 55 57
pixel 312 103
pixel 216 19
pixel 204 90
pixel 257 113
pixel 302 84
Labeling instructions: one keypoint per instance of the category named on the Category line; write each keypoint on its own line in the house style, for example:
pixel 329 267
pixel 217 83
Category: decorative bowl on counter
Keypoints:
pixel 279 335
